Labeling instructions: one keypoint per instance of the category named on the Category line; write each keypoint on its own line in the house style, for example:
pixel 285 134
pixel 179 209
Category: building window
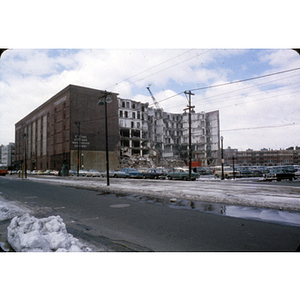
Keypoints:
pixel 132 124
pixel 133 115
pixel 121 114
pixel 126 114
pixel 123 104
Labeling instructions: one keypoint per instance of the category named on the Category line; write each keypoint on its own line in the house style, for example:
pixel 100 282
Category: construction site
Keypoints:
pixel 151 137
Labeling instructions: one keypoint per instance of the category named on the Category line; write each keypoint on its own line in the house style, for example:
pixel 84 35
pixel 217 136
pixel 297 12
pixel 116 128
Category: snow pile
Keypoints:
pixel 26 233
pixel 8 210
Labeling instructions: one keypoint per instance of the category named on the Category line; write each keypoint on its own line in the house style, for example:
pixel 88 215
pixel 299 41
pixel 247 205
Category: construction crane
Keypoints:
pixel 153 98
pixel 160 116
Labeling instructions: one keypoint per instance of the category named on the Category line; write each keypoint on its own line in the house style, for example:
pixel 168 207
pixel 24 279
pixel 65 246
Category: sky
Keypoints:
pixel 124 47
pixel 257 113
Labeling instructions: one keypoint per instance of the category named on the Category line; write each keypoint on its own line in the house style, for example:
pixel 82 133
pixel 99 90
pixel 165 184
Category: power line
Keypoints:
pixel 233 82
pixel 173 65
pixel 261 127
pixel 247 79
pixel 238 96
pixel 157 66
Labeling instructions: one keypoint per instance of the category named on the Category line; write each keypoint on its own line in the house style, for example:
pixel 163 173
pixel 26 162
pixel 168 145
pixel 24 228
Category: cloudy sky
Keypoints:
pixel 262 112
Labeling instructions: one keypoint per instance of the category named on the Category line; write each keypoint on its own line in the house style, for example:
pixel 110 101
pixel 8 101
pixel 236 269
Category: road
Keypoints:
pixel 131 222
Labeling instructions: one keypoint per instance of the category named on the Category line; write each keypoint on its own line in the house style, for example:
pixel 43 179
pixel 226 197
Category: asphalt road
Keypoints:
pixel 131 222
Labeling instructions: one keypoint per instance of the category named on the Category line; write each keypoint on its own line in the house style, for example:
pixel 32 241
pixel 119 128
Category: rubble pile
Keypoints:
pixel 145 162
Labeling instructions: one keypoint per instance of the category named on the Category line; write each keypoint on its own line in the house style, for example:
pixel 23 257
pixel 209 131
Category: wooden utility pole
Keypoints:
pixel 189 107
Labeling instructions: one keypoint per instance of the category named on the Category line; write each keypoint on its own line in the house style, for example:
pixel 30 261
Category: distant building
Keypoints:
pixel 8 155
pixel 263 157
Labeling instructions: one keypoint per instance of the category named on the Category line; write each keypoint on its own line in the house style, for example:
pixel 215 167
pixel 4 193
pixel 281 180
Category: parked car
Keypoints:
pixel 72 173
pixel 244 171
pixel 279 173
pixel 93 173
pixel 132 173
pixel 182 174
pixel 54 172
pixel 155 174
pixel 258 171
pixel 111 173
pixel 228 172
pixel 203 170
pixel 82 172
pixel 118 174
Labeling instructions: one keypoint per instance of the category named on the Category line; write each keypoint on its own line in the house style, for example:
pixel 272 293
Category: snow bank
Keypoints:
pixel 27 233
pixel 8 210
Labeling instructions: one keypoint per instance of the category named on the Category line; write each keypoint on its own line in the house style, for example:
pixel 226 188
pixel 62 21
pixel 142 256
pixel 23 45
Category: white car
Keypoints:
pixel 93 173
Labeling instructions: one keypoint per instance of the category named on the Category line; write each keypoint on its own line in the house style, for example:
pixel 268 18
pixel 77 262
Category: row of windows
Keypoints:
pixel 134 115
pixel 126 104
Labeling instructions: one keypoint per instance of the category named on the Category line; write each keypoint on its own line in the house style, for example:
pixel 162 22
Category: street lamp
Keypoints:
pixel 222 158
pixel 233 158
pixel 78 145
pixel 106 98
pixel 25 165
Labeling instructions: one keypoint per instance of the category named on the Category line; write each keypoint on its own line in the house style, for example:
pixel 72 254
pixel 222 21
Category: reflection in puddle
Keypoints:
pixel 255 213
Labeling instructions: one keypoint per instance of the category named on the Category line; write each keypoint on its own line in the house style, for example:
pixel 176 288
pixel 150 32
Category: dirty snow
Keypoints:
pixel 27 233
pixel 207 189
pixel 8 209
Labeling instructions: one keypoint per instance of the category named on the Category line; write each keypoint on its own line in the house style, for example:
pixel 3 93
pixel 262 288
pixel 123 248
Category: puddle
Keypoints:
pixel 245 212
pixel 236 211
pixel 120 205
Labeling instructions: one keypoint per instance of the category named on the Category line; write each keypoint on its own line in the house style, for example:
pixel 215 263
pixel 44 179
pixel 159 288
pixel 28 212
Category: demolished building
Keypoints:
pixel 162 137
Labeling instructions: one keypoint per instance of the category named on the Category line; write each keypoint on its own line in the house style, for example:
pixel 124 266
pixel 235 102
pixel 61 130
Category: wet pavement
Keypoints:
pixel 131 221
pixel 236 211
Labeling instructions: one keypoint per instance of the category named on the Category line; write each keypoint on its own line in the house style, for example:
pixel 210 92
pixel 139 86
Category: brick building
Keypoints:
pixel 263 157
pixel 49 134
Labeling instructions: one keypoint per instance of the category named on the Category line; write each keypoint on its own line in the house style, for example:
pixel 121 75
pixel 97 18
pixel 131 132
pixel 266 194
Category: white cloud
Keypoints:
pixel 30 77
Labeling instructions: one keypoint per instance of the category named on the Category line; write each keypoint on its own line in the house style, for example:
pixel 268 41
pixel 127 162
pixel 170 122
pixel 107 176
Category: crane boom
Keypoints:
pixel 153 98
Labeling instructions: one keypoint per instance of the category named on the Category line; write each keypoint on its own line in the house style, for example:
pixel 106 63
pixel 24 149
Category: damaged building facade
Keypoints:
pixel 150 132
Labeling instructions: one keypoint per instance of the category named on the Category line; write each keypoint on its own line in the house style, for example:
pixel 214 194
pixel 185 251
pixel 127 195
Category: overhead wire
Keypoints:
pixel 238 90
pixel 260 127
pixel 177 56
pixel 229 83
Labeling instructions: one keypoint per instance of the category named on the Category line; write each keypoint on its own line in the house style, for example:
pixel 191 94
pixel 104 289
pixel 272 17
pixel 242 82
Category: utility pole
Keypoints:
pixel 233 165
pixel 189 107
